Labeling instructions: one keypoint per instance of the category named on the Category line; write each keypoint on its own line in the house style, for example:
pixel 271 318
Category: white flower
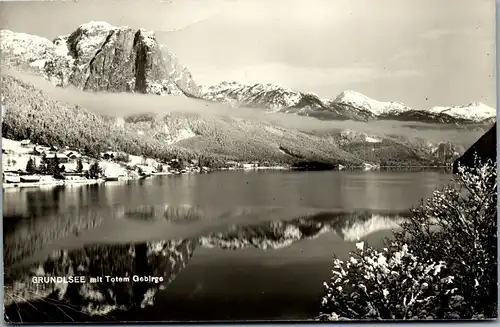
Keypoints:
pixel 339 288
pixel 360 245
pixel 381 260
pixel 336 273
pixel 397 257
pixel 437 269
pixel 334 316
pixel 353 260
pixel 447 280
pixel 385 292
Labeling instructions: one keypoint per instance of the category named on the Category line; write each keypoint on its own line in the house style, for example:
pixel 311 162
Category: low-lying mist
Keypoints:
pixel 127 104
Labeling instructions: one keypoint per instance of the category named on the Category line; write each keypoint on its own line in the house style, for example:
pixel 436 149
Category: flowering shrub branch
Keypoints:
pixel 441 265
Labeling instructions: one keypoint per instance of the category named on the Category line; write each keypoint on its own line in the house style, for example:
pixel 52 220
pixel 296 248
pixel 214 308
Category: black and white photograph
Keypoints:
pixel 186 161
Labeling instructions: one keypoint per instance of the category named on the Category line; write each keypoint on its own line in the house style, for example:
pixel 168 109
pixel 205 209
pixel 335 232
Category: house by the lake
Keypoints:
pixel 108 155
pixel 72 167
pixel 485 148
pixel 11 177
pixel 145 170
pixel 60 156
pixel 39 150
pixel 72 154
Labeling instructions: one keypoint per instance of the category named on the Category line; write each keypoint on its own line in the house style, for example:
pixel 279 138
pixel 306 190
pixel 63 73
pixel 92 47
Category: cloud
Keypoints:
pixel 125 104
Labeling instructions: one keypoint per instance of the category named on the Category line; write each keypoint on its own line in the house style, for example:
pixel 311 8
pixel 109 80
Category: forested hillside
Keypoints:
pixel 28 113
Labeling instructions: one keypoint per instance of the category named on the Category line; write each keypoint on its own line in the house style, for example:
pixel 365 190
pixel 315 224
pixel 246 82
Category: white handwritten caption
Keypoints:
pixel 99 279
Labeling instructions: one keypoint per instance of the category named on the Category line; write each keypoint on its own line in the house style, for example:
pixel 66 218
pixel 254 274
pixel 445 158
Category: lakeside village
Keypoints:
pixel 25 164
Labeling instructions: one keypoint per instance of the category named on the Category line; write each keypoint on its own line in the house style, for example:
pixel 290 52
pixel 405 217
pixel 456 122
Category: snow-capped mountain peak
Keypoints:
pixel 476 111
pixel 96 49
pixel 271 96
pixel 361 101
pixel 351 95
pixel 96 26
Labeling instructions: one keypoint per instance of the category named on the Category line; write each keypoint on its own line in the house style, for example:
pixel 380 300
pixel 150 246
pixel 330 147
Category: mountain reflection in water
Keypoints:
pixel 30 251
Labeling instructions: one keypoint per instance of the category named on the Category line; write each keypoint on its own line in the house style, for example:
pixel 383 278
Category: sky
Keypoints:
pixel 423 53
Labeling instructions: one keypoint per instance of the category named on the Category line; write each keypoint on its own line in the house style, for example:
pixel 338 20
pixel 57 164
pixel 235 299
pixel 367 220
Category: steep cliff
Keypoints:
pixel 100 57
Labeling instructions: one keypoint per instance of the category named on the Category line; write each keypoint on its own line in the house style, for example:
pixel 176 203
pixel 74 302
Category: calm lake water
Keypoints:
pixel 230 245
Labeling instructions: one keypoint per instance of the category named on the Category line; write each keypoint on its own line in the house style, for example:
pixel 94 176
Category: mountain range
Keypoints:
pixel 101 57
pixel 98 57
pixel 347 105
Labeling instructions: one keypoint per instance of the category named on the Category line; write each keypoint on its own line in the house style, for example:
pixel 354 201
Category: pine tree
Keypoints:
pixel 42 168
pixel 95 171
pixel 53 166
pixel 30 166
pixel 79 165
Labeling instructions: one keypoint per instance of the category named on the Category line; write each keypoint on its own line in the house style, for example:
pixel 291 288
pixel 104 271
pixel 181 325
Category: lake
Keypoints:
pixel 239 245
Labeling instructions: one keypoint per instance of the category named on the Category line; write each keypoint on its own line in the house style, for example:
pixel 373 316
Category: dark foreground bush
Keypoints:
pixel 441 265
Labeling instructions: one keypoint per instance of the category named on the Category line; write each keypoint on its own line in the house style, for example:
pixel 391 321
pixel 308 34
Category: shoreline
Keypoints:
pixel 49 184
pixel 279 168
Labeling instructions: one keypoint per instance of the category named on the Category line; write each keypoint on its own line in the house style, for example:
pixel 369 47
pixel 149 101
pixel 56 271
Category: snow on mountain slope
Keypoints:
pixel 361 229
pixel 278 98
pixel 100 57
pixel 87 39
pixel 269 96
pixel 280 234
pixel 20 44
pixel 476 111
pixel 359 100
pixel 347 105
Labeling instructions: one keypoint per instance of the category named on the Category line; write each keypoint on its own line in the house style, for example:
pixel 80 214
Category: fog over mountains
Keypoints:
pixel 122 61
pixel 101 57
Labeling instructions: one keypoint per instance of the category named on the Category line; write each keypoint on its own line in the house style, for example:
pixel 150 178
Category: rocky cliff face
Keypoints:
pixel 100 57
